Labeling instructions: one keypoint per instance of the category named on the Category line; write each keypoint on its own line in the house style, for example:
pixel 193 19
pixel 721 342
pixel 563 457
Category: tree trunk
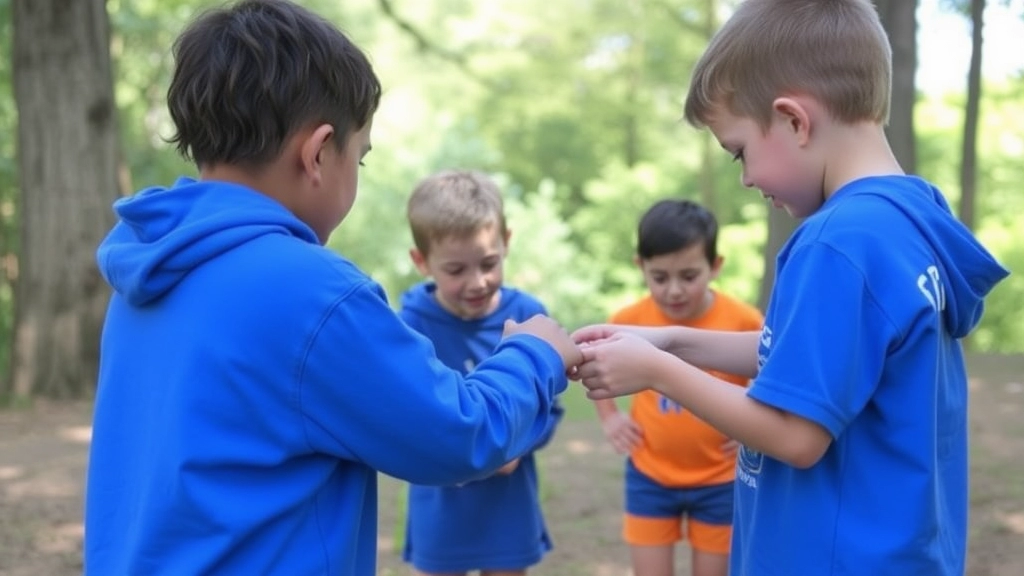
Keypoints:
pixel 780 227
pixel 900 22
pixel 968 165
pixel 67 159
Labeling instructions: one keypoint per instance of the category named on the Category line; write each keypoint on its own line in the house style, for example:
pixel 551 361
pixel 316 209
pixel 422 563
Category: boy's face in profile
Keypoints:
pixel 340 181
pixel 778 161
pixel 678 281
pixel 468 271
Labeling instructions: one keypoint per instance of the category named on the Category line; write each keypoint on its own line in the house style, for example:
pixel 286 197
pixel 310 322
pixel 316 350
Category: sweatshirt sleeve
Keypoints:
pixel 372 390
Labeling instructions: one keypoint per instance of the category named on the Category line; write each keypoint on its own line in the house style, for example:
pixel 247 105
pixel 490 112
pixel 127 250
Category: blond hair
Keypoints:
pixel 453 203
pixel 834 51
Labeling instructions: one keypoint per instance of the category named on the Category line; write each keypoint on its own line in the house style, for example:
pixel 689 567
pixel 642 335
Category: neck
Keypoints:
pixel 265 180
pixel 858 151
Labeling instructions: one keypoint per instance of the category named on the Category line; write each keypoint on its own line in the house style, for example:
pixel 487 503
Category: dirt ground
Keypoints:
pixel 43 452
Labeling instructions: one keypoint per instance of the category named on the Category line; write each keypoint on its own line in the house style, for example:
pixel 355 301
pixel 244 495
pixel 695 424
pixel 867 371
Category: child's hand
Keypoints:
pixel 551 332
pixel 508 468
pixel 622 432
pixel 595 332
pixel 616 366
pixel 659 336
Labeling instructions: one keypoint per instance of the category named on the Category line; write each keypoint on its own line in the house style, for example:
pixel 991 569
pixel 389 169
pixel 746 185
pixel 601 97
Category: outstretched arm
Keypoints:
pixel 724 351
pixel 625 363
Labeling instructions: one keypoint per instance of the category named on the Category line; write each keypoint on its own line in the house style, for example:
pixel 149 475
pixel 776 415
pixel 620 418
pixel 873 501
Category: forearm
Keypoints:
pixel 779 434
pixel 605 408
pixel 731 352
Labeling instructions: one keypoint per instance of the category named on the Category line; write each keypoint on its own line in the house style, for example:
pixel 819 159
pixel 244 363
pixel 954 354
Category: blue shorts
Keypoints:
pixel 655 513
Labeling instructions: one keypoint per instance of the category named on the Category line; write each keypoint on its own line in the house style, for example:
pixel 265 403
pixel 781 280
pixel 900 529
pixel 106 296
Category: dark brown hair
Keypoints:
pixel 250 75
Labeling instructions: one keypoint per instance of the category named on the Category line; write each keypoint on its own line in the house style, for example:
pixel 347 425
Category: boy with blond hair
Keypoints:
pixel 680 470
pixel 252 382
pixel 493 524
pixel 854 430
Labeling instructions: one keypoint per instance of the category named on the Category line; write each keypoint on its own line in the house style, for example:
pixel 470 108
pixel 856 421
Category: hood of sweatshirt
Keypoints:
pixel 164 233
pixel 969 270
pixel 421 300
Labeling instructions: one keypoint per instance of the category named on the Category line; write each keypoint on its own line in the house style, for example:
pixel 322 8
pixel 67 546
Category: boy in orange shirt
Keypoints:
pixel 679 468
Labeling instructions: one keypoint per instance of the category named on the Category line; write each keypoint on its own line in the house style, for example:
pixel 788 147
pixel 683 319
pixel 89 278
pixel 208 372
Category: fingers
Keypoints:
pixel 576 358
pixel 592 333
pixel 599 394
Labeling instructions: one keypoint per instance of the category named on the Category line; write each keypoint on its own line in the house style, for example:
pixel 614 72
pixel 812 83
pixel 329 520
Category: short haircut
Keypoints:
pixel 835 51
pixel 250 75
pixel 672 225
pixel 453 204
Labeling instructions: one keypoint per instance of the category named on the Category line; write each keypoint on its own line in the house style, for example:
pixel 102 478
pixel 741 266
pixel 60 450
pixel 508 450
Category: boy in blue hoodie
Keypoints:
pixel 494 524
pixel 253 382
pixel 855 426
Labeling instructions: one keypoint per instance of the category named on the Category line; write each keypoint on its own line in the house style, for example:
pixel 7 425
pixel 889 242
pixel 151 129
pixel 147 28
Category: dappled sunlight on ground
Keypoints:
pixel 11 472
pixel 77 434
pixel 580 447
pixel 60 538
pixel 610 570
pixel 1013 522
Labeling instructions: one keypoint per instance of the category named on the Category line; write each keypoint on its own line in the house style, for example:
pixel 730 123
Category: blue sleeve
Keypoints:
pixel 372 390
pixel 533 308
pixel 825 340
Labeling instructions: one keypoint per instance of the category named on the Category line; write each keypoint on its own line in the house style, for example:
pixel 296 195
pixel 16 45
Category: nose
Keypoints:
pixel 478 280
pixel 675 287
pixel 745 180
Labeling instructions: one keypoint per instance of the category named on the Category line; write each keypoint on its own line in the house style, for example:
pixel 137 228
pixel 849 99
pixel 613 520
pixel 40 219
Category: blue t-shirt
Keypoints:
pixel 253 382
pixel 496 522
pixel 861 336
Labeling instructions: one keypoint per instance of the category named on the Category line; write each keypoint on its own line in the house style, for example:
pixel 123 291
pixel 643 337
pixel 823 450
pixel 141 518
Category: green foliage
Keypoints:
pixel 546 263
pixel 575 106
pixel 999 204
pixel 1001 328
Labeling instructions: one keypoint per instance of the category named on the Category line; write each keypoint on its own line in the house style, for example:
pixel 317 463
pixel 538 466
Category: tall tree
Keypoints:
pixel 900 22
pixel 969 153
pixel 780 227
pixel 67 160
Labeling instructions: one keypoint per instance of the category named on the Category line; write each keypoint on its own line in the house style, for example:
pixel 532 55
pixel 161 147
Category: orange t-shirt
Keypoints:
pixel 678 449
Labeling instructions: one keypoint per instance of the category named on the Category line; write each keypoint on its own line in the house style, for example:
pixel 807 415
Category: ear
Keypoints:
pixel 716 267
pixel 508 236
pixel 420 261
pixel 312 151
pixel 796 117
pixel 638 262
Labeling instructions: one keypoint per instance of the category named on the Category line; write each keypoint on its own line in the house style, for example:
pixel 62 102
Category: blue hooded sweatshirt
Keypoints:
pixel 862 336
pixel 496 522
pixel 251 385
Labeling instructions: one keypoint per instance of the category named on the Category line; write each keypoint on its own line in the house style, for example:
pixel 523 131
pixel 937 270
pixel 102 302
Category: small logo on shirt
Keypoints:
pixel 766 345
pixel 931 286
pixel 748 466
pixel 669 406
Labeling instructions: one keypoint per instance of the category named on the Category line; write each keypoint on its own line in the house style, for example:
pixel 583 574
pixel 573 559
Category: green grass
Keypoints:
pixel 578 408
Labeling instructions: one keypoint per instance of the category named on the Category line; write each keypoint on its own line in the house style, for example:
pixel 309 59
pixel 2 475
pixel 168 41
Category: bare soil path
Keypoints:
pixel 43 452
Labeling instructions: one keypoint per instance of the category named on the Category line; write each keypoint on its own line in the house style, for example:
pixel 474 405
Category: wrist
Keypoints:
pixel 660 371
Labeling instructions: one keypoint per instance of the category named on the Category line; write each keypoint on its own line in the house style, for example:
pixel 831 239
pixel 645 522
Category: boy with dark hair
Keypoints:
pixel 680 469
pixel 252 382
pixel 494 524
pixel 854 430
